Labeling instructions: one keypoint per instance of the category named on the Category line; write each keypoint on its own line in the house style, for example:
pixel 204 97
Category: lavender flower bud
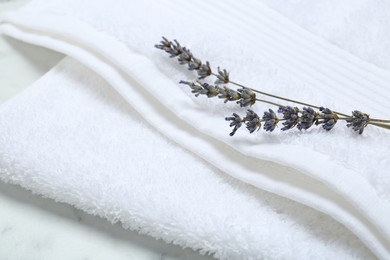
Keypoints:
pixel 358 121
pixel 290 115
pixel 204 70
pixel 236 122
pixel 196 89
pixel 228 94
pixel 209 90
pixel 194 64
pixel 328 118
pixel 308 118
pixel 248 97
pixel 270 120
pixel 176 49
pixel 202 89
pixel 185 57
pixel 222 77
pixel 252 121
pixel 164 45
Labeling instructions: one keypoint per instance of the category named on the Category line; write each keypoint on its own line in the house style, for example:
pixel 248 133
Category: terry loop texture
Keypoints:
pixel 89 148
pixel 351 185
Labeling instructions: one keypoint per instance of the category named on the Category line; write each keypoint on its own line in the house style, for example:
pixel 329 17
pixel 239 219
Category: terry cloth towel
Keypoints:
pixel 79 140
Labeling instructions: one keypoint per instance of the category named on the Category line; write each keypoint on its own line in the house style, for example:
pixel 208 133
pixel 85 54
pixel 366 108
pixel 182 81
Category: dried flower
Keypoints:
pixel 248 97
pixel 176 49
pixel 270 120
pixel 252 121
pixel 308 118
pixel 209 90
pixel 236 122
pixel 194 64
pixel 328 118
pixel 202 88
pixel 244 96
pixel 290 115
pixel 222 77
pixel 358 121
pixel 185 57
pixel 164 45
pixel 228 94
pixel 196 89
pixel 204 71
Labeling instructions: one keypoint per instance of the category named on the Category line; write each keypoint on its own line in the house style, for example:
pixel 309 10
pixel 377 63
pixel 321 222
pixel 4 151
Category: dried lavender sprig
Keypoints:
pixel 185 56
pixel 244 97
pixel 291 117
pixel 204 70
pixel 251 120
pixel 294 117
pixel 201 88
pixel 373 121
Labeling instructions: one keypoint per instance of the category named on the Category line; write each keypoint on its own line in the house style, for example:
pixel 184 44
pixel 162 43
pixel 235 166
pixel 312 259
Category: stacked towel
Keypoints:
pixel 77 139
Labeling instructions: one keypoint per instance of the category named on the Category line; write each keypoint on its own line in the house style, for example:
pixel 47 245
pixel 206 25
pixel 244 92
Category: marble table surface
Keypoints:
pixel 32 227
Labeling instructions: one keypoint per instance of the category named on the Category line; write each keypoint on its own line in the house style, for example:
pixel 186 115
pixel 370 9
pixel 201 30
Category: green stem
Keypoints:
pixel 379 120
pixel 386 126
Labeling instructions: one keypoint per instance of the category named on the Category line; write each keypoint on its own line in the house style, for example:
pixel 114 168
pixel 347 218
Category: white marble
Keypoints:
pixel 32 227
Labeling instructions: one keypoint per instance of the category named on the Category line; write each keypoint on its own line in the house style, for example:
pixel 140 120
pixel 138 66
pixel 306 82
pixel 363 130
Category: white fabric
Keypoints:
pixel 329 172
pixel 360 27
pixel 108 162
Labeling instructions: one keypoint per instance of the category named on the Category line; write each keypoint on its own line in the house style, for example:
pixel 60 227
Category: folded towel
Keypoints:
pixel 87 147
pixel 79 151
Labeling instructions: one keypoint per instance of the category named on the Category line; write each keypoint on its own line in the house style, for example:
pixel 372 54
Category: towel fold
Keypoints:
pixel 75 139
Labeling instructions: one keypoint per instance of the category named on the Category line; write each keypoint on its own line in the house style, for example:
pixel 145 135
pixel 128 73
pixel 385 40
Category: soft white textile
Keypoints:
pixel 109 162
pixel 360 27
pixel 78 153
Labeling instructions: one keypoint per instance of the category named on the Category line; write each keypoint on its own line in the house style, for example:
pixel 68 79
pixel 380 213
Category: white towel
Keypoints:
pixel 79 151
